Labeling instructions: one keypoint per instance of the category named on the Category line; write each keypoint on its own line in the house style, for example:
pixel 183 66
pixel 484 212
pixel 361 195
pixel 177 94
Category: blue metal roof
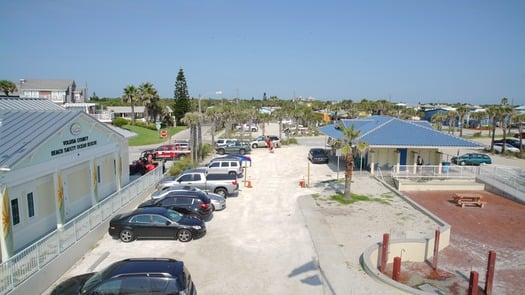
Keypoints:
pixel 383 131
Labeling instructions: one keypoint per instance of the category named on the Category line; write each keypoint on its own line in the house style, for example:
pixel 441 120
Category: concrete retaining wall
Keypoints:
pixel 439 185
pixel 415 250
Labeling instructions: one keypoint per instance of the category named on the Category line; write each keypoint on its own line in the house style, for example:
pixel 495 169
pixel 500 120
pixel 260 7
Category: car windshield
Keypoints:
pixel 94 280
pixel 174 215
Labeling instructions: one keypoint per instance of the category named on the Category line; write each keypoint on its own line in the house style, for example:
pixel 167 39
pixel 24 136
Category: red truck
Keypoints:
pixel 174 151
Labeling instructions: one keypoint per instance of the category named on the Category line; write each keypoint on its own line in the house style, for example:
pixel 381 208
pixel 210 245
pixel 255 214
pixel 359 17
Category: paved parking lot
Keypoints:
pixel 260 244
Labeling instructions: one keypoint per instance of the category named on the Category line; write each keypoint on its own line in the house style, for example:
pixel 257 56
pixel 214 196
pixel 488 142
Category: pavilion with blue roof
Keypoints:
pixel 393 141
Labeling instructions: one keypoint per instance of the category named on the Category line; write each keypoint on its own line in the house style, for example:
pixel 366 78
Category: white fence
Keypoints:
pixel 510 177
pixel 435 171
pixel 28 262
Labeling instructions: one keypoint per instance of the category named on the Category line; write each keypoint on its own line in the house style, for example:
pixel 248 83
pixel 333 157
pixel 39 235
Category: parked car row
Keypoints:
pixel 258 142
pixel 179 209
pixel 515 142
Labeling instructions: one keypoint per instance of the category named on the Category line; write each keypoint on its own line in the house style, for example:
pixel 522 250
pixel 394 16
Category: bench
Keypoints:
pixel 468 199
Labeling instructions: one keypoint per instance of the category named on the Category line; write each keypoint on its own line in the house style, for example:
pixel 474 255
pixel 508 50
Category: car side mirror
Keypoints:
pixel 168 222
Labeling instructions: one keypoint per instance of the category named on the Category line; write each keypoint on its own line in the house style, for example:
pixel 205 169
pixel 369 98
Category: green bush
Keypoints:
pixel 119 122
pixel 207 150
pixel 146 125
pixel 179 166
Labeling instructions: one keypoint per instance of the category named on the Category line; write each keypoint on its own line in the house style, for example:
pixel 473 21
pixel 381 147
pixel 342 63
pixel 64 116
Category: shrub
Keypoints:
pixel 119 122
pixel 180 166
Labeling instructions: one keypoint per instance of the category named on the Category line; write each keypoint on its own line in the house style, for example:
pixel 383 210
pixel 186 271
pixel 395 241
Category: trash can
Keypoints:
pixel 446 165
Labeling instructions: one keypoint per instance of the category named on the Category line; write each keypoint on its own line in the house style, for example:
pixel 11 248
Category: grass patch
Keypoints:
pixel 340 198
pixel 147 136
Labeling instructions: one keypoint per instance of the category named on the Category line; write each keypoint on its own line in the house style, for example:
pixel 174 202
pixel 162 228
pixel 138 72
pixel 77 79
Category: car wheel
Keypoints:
pixel 242 151
pixel 232 173
pixel 462 163
pixel 184 235
pixel 181 157
pixel 222 192
pixel 254 146
pixel 127 236
pixel 220 151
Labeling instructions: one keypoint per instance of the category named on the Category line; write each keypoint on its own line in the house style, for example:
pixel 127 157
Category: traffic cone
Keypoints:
pixel 249 184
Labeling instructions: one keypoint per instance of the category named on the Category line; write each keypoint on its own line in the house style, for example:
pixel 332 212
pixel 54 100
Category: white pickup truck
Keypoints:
pixel 221 184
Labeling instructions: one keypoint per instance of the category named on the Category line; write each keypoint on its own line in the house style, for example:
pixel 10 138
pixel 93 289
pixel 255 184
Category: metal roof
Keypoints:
pixel 29 104
pixel 18 136
pixel 126 109
pixel 35 84
pixel 383 131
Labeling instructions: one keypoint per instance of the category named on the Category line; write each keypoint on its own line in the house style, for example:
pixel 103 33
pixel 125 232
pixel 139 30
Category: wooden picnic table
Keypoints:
pixel 464 199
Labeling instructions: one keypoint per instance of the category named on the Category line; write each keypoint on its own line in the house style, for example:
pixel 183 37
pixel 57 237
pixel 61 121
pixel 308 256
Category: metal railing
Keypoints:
pixel 32 259
pixel 509 176
pixel 434 171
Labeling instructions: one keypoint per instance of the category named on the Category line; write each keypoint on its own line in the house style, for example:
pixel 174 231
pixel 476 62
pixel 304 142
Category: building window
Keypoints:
pixel 15 211
pixel 30 205
pixel 98 174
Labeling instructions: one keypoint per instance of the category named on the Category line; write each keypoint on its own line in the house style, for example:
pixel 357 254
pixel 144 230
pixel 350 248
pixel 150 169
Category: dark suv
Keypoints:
pixel 190 203
pixel 133 276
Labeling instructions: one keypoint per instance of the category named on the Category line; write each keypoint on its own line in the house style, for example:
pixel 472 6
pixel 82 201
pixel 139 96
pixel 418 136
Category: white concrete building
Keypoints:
pixel 54 164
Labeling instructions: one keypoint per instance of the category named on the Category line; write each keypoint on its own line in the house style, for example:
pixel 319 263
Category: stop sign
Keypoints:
pixel 163 133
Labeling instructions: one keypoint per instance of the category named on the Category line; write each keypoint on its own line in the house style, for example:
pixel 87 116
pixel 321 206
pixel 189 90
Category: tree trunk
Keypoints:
pixel 199 141
pixel 349 162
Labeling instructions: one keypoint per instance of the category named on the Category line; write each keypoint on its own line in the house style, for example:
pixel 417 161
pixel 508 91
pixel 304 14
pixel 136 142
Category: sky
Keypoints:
pixel 411 51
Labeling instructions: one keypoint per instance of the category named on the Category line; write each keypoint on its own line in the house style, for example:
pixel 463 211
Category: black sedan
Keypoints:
pixel 132 276
pixel 318 156
pixel 155 223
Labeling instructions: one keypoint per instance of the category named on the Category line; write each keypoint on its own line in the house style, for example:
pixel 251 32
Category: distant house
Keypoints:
pixel 125 112
pixel 58 91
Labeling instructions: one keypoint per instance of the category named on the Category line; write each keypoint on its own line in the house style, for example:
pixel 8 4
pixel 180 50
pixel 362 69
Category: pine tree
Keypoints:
pixel 181 97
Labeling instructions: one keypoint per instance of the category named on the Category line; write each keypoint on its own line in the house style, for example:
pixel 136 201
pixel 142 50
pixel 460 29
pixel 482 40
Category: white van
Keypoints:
pixel 225 166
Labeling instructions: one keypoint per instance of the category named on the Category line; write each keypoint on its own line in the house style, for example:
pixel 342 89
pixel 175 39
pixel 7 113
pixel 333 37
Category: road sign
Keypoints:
pixel 163 133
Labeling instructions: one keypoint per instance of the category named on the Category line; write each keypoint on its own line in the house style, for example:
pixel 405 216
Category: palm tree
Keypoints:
pixel 479 116
pixel 191 119
pixel 148 98
pixel 131 96
pixel 520 119
pixel 493 113
pixel 349 135
pixel 461 110
pixel 506 114
pixel 439 118
pixel 213 114
pixel 362 147
pixel 451 116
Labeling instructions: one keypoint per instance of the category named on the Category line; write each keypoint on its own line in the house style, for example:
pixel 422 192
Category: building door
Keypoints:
pixel 402 156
